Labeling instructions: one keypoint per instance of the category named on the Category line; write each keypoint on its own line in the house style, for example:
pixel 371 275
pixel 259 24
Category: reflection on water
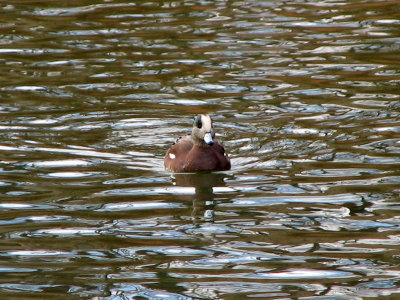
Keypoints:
pixel 304 97
pixel 205 184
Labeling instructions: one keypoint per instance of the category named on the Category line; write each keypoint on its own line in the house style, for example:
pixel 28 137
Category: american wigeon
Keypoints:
pixel 198 151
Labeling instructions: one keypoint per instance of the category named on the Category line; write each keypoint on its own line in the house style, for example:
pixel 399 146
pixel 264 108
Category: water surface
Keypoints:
pixel 305 99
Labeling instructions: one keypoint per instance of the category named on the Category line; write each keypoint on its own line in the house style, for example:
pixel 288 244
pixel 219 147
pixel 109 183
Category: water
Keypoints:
pixel 305 99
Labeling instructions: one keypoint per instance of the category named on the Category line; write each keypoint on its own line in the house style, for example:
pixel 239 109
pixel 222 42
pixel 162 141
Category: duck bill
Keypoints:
pixel 208 139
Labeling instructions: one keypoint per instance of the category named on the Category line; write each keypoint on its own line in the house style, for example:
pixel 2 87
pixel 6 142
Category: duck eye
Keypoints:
pixel 197 122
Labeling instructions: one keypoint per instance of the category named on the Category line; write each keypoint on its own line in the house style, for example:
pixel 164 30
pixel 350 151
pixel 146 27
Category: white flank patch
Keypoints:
pixel 172 156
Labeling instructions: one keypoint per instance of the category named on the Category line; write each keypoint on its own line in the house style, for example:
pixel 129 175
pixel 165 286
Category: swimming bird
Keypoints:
pixel 198 151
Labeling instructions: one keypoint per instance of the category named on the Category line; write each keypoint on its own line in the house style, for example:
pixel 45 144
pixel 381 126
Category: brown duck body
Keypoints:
pixel 198 151
pixel 185 156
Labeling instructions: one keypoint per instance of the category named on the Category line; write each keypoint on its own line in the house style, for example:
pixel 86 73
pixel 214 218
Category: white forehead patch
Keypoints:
pixel 206 121
pixel 172 156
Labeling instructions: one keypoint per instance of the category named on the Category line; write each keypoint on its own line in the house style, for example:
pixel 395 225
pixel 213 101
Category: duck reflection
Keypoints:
pixel 203 182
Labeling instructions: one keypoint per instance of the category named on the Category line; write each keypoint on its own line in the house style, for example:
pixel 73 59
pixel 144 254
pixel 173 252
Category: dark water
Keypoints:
pixel 305 98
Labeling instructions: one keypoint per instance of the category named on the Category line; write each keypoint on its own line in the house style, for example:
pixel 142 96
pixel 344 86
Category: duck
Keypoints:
pixel 198 151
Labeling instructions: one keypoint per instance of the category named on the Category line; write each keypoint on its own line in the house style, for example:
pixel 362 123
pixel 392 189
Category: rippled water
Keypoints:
pixel 305 98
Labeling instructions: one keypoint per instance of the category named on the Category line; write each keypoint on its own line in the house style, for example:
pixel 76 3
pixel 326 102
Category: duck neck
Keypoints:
pixel 197 141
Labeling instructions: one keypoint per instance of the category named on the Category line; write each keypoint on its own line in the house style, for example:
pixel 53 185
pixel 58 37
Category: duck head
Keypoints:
pixel 203 132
